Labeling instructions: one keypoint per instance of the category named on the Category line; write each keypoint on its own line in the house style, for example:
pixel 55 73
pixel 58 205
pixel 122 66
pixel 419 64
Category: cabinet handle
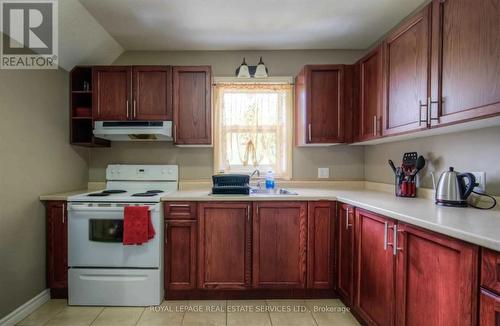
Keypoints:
pixel 127 110
pixel 347 225
pixel 248 214
pixel 395 234
pixel 430 110
pixel 175 132
pixel 178 205
pixel 309 132
pixel 374 125
pixel 63 219
pixel 135 110
pixel 386 231
pixel 422 105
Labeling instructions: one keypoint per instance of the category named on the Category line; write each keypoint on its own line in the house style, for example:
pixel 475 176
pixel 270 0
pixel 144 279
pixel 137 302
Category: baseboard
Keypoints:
pixel 27 308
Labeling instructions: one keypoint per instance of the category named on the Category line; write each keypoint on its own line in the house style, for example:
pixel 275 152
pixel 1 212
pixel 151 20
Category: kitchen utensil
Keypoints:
pixel 452 190
pixel 391 164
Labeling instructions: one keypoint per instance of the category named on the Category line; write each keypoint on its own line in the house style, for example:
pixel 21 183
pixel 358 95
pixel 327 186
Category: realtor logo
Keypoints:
pixel 29 34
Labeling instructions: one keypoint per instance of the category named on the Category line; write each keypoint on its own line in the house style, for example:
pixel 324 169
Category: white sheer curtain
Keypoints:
pixel 253 128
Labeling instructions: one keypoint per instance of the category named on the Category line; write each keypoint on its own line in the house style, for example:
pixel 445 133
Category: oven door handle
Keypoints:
pixel 101 209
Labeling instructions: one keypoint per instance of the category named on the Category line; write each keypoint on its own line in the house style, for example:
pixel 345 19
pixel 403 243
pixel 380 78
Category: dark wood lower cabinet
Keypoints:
pixel 279 245
pixel 345 252
pixel 180 254
pixel 437 280
pixel 374 272
pixel 57 249
pixel 224 245
pixel 320 245
pixel 489 313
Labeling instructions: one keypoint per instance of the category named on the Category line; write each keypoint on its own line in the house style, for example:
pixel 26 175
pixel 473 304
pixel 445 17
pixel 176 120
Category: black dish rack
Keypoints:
pixel 231 184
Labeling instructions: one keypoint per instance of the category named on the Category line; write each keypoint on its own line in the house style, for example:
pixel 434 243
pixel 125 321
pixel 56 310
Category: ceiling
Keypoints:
pixel 248 25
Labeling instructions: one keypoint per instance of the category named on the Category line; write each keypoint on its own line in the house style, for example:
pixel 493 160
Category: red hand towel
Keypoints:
pixel 137 225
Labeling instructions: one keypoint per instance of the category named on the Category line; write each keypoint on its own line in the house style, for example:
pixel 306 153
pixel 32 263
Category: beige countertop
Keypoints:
pixel 63 196
pixel 481 227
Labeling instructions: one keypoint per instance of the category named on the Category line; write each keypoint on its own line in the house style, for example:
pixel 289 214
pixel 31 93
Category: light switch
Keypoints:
pixel 323 173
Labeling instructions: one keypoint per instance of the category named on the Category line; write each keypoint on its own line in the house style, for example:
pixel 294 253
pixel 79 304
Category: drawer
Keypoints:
pixel 490 270
pixel 489 310
pixel 182 210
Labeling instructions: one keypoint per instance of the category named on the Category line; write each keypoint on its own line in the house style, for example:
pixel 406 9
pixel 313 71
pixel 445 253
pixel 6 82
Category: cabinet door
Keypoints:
pixel 152 93
pixel 370 92
pixel 407 67
pixel 465 66
pixel 57 249
pixel 489 313
pixel 490 270
pixel 320 245
pixel 437 279
pixel 320 111
pixel 224 257
pixel 192 105
pixel 345 249
pixel 180 254
pixel 374 274
pixel 112 93
pixel 279 245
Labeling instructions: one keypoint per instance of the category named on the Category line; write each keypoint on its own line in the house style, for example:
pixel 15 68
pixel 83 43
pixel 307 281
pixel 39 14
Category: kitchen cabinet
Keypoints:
pixel 224 256
pixel 320 245
pixel 490 270
pixel 436 279
pixel 279 245
pixel 489 313
pixel 319 105
pixel 180 210
pixel 465 66
pixel 57 249
pixel 345 252
pixel 374 272
pixel 406 79
pixel 152 93
pixel 192 118
pixel 369 111
pixel 132 93
pixel 180 254
pixel 111 94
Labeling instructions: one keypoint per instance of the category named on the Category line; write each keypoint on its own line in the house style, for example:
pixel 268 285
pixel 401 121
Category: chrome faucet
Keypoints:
pixel 256 172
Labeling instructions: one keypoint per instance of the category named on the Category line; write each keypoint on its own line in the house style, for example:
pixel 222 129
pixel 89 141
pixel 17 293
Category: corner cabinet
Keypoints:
pixel 192 105
pixel 369 114
pixel 57 249
pixel 319 105
pixel 279 245
pixel 224 245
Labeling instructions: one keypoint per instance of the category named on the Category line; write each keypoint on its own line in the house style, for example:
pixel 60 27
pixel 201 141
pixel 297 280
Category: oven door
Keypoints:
pixel 95 233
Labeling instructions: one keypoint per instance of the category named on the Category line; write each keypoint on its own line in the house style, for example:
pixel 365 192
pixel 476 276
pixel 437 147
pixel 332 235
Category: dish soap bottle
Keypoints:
pixel 270 180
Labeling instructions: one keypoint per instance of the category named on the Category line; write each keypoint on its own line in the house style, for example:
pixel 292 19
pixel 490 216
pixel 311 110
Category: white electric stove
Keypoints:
pixel 103 271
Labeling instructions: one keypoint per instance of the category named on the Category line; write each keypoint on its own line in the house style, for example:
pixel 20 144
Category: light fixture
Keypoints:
pixel 261 71
pixel 242 71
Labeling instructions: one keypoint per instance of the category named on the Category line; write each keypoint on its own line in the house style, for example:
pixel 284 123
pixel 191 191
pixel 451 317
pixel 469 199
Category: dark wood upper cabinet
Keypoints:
pixel 224 256
pixel 407 75
pixel 180 254
pixel 465 69
pixel 345 252
pixel 279 245
pixel 374 272
pixel 112 92
pixel 152 98
pixel 192 105
pixel 319 105
pixel 57 249
pixel 320 245
pixel 436 279
pixel 489 313
pixel 369 111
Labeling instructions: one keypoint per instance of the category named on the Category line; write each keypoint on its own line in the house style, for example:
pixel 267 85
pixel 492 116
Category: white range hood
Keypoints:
pixel 134 130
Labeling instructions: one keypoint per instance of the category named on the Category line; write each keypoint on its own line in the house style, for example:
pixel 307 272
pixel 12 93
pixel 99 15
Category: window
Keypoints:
pixel 253 128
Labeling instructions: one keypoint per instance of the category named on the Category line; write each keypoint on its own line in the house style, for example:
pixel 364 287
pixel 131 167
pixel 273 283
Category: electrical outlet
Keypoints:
pixel 323 173
pixel 481 180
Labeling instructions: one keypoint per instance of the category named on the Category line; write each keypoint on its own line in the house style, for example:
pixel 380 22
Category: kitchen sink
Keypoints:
pixel 271 192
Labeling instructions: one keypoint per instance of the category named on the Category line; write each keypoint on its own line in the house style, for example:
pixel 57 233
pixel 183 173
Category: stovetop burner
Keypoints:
pixel 114 191
pixel 144 194
pixel 99 194
pixel 154 191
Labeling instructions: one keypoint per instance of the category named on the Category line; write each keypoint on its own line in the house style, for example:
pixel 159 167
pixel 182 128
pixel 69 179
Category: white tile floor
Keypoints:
pixel 207 312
